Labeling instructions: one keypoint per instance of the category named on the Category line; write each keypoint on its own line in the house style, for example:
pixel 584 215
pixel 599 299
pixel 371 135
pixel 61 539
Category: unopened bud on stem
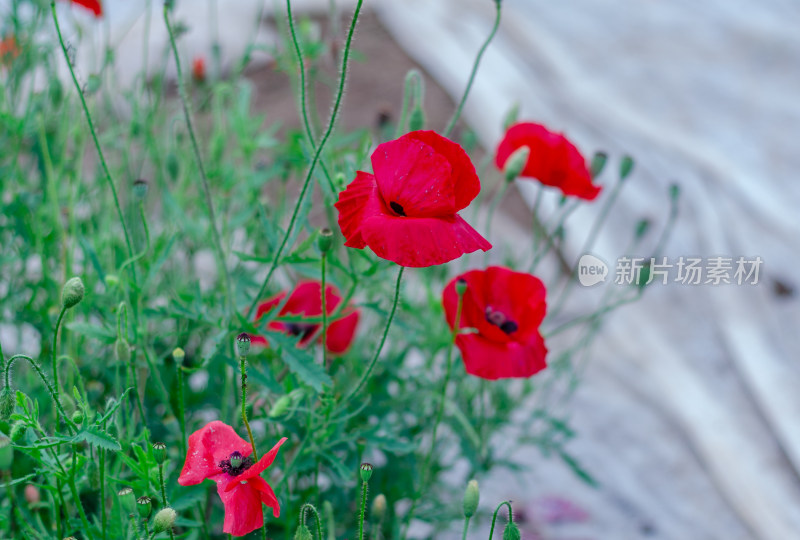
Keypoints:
pixel 516 163
pixel 72 293
pixel 472 496
pixel 243 343
pixel 165 519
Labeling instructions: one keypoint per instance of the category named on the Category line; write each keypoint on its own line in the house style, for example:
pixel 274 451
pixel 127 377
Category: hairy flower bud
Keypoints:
pixel 127 499
pixel 325 240
pixel 7 401
pixel 461 286
pixel 302 533
pixel 379 507
pixel 178 355
pixel 281 406
pixel 72 293
pixel 598 163
pixel 516 163
pixel 160 452
pixel 417 119
pixel 144 505
pixel 165 519
pixel 243 343
pixel 173 165
pixel 140 189
pixel 366 471
pixel 18 430
pixel 6 453
pixel 122 351
pixel 77 417
pixel 511 532
pixel 472 496
pixel 625 167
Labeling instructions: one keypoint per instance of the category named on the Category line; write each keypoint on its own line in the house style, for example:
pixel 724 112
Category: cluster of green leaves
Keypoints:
pixel 58 219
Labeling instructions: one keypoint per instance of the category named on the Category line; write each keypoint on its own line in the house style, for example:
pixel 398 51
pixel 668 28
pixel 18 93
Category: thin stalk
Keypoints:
pixel 324 317
pixel 92 130
pixel 76 497
pixel 367 373
pixel 164 493
pixel 364 489
pixel 206 189
pixel 334 114
pixel 425 476
pixel 485 45
pixel 318 522
pixel 494 204
pixel 466 528
pixel 181 408
pixel 494 518
pixel 55 346
pixel 243 363
pixel 102 466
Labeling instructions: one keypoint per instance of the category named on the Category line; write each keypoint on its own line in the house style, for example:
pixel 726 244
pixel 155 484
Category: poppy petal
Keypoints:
pixel 359 201
pixel 340 333
pixel 207 447
pixel 421 242
pixel 466 183
pixel 413 178
pixel 492 360
pixel 243 512
pixel 92 5
pixel 267 495
pixel 259 467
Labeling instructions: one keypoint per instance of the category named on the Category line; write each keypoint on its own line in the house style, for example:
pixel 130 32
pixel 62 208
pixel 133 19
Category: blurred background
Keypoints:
pixel 688 406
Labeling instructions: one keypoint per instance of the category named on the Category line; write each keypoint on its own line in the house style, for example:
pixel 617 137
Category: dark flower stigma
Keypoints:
pixel 499 320
pixel 397 209
pixel 300 329
pixel 243 462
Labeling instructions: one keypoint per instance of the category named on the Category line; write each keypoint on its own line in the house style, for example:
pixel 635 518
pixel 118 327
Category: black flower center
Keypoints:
pixel 300 329
pixel 500 320
pixel 398 209
pixel 236 464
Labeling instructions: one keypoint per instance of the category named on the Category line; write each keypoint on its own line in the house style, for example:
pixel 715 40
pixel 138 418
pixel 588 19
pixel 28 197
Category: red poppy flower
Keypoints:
pixel 216 452
pixel 199 69
pixel 506 308
pixel 92 5
pixel 306 299
pixel 554 160
pixel 8 49
pixel 407 211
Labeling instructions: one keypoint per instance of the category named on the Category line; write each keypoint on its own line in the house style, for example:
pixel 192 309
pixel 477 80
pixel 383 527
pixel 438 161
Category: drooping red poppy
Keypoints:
pixel 216 452
pixel 407 211
pixel 554 160
pixel 506 308
pixel 92 5
pixel 306 299
pixel 199 69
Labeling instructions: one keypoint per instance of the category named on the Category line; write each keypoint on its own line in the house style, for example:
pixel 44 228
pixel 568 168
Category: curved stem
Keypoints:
pixel 334 114
pixel 38 369
pixel 206 189
pixel 368 372
pixel 485 45
pixel 92 130
pixel 494 518
pixel 313 509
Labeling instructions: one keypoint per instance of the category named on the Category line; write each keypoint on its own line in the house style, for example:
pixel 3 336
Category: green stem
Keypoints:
pixel 164 493
pixel 367 373
pixel 364 490
pixel 76 497
pixel 38 369
pixel 135 527
pixel 92 130
pixel 485 45
pixel 494 518
pixel 55 346
pixel 306 507
pixel 243 362
pixel 407 91
pixel 317 154
pixel 324 316
pixel 181 408
pixel 103 517
pixel 466 528
pixel 493 206
pixel 206 189
pixel 142 253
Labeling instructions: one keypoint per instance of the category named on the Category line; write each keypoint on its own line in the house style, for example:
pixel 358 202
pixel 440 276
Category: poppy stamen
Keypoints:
pixel 236 464
pixel 500 320
pixel 300 329
pixel 398 209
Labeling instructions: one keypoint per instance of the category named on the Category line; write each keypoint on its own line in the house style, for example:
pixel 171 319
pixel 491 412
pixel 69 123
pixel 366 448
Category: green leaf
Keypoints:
pixel 300 361
pixel 577 468
pixel 97 437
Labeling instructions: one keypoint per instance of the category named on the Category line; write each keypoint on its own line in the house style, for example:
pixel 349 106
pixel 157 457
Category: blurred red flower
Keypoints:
pixel 8 49
pixel 92 5
pixel 505 308
pixel 216 452
pixel 199 69
pixel 407 211
pixel 306 299
pixel 554 160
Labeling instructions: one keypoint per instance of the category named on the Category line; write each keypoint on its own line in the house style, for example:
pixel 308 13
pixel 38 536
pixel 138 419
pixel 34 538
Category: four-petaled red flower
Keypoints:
pixel 554 160
pixel 92 5
pixel 306 299
pixel 216 452
pixel 407 211
pixel 199 69
pixel 505 308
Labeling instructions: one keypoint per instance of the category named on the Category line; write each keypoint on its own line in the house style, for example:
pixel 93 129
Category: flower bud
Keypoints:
pixel 7 401
pixel 178 355
pixel 6 453
pixel 461 286
pixel 72 293
pixel 140 189
pixel 625 167
pixel 281 406
pixel 32 495
pixel 122 351
pixel 18 430
pixel 598 164
pixel 165 519
pixel 127 499
pixel 243 343
pixel 417 119
pixel 325 240
pixel 471 497
pixel 642 227
pixel 77 417
pixel 160 452
pixel 379 507
pixel 511 117
pixel 674 191
pixel 112 280
pixel 144 505
pixel 339 181
pixel 366 471
pixel 516 163
pixel 511 532
pixel 173 165
pixel 302 533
